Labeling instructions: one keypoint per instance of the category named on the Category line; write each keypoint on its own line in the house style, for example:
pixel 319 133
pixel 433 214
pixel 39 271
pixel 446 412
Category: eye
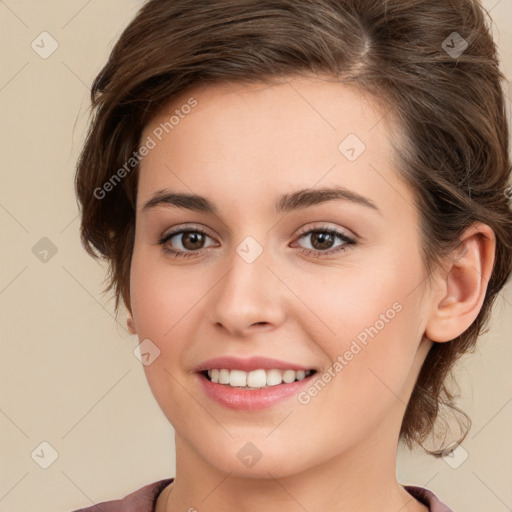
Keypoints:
pixel 191 241
pixel 322 240
pixel 193 238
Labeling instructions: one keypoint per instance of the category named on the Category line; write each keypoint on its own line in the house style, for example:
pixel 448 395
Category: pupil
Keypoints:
pixel 196 240
pixel 325 239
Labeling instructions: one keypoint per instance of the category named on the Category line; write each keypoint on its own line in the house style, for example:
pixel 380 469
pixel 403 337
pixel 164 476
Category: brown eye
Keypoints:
pixel 192 240
pixel 184 242
pixel 322 241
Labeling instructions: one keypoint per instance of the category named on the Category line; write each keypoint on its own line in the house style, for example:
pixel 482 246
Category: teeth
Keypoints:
pixel 289 376
pixel 274 377
pixel 223 377
pixel 256 378
pixel 238 378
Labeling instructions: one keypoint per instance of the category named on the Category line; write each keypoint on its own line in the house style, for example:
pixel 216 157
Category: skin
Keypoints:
pixel 241 147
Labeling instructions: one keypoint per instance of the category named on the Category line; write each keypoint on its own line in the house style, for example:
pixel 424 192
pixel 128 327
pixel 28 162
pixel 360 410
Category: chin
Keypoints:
pixel 249 457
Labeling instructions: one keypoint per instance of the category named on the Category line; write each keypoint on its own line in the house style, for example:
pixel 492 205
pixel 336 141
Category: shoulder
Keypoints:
pixel 141 500
pixel 427 497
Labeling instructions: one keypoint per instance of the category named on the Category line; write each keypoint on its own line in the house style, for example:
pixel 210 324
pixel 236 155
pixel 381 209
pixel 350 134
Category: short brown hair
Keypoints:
pixel 433 62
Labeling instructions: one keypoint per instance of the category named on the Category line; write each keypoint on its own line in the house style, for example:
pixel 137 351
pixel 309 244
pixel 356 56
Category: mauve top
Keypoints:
pixel 144 499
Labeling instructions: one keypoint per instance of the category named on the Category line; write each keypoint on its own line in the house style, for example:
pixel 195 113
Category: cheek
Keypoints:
pixel 162 300
pixel 370 319
pixel 159 305
pixel 346 300
pixel 162 296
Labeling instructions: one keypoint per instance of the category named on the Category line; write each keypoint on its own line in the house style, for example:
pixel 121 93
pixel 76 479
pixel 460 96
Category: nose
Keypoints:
pixel 248 297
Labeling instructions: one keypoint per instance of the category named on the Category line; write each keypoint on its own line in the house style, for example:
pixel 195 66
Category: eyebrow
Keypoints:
pixel 285 203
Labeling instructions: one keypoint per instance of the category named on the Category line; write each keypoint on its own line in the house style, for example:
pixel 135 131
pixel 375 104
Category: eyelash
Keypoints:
pixel 349 242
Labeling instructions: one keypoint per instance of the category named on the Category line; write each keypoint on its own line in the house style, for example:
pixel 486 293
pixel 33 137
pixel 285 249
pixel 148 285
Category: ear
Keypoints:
pixel 130 324
pixel 460 293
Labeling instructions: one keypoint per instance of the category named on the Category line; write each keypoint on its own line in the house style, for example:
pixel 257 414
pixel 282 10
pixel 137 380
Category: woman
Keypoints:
pixel 304 207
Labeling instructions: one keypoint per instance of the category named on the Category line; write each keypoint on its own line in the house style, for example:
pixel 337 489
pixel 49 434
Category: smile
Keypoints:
pixel 255 379
pixel 238 395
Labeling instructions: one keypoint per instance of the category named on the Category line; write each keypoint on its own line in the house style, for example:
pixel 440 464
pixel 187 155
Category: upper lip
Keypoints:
pixel 249 364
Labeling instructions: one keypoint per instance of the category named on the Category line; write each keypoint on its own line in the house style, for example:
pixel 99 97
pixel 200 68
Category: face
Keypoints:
pixel 331 283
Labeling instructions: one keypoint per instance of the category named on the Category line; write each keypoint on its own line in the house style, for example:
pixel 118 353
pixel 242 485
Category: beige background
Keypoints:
pixel 68 376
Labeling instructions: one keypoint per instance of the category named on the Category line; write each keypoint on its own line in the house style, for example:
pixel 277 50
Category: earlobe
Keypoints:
pixel 461 293
pixel 131 325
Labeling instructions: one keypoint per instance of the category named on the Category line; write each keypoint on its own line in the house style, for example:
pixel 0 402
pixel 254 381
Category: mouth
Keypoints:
pixel 256 379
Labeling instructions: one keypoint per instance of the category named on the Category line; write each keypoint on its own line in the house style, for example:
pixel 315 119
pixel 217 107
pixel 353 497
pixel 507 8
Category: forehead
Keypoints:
pixel 310 102
pixel 259 140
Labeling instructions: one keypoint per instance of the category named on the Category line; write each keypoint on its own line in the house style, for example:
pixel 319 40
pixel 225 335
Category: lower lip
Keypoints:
pixel 252 400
